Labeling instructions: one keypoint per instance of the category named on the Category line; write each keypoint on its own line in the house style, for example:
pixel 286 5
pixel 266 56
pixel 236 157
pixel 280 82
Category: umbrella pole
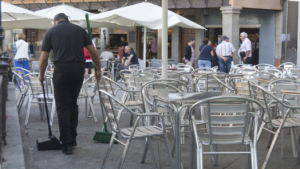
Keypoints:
pixel 164 44
pixel 145 44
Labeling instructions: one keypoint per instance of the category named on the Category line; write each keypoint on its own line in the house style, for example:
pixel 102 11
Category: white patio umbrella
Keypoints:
pixel 76 16
pixel 14 17
pixel 143 14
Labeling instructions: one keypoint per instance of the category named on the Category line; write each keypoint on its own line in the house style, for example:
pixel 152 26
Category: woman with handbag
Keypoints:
pixel 189 53
pixel 206 54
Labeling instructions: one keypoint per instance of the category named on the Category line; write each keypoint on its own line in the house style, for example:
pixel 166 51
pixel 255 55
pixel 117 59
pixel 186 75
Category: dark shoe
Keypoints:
pixel 67 149
pixel 74 143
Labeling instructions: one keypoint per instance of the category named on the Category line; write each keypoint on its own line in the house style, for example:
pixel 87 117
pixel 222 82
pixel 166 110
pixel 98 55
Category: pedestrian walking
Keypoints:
pixel 67 41
pixel 225 52
pixel 245 53
pixel 89 66
pixel 189 57
pixel 206 54
pixel 153 46
pixel 21 51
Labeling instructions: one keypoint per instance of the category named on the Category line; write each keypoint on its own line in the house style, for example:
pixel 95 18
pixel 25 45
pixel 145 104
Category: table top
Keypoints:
pixel 292 92
pixel 193 97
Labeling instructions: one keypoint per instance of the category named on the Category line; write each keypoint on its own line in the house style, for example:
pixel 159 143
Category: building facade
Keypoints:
pixel 264 21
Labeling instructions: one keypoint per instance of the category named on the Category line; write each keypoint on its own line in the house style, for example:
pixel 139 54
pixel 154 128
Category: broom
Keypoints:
pixel 102 136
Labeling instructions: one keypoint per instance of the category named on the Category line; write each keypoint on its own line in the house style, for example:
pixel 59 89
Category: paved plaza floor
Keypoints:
pixel 89 154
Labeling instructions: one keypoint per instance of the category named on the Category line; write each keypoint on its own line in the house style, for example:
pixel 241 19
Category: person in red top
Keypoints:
pixel 88 62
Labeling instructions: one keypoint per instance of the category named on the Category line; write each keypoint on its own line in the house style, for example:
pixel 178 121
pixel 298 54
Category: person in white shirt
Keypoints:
pixel 225 51
pixel 107 54
pixel 245 50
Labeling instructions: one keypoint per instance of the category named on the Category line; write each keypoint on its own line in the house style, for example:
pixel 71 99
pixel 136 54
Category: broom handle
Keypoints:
pixel 46 106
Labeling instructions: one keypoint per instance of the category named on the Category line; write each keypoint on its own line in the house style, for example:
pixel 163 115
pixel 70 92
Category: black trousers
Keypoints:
pixel 67 80
pixel 248 60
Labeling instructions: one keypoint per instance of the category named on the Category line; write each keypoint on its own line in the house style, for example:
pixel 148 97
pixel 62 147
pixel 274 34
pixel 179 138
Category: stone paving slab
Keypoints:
pixel 89 154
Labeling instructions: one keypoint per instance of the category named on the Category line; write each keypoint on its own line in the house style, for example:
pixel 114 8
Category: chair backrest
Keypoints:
pixel 134 68
pixel 270 100
pixel 113 109
pixel 246 72
pixel 21 71
pixel 258 78
pixel 185 68
pixel 150 70
pixel 240 85
pixel 226 116
pixel 142 78
pixel 275 72
pixel 264 66
pixel 294 72
pixel 283 84
pixel 125 74
pixel 35 85
pixel 287 65
pixel 203 70
pixel 212 82
pixel 35 66
pixel 22 85
pixel 161 87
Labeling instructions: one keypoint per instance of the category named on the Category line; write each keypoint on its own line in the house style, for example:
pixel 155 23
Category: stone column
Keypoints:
pixel 231 26
pixel 159 41
pixel 278 36
pixel 198 37
pixel 176 49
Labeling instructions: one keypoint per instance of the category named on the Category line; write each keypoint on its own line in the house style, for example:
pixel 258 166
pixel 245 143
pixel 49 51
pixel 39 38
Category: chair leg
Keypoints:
pixel 53 110
pixel 131 120
pixel 248 157
pixel 151 152
pixel 253 157
pixel 271 149
pixel 271 137
pixel 199 157
pixel 158 154
pixel 124 154
pixel 260 130
pixel 146 148
pixel 28 111
pixel 294 143
pixel 85 102
pixel 216 156
pixel 93 111
pixel 173 149
pixel 282 143
pixel 168 150
pixel 111 143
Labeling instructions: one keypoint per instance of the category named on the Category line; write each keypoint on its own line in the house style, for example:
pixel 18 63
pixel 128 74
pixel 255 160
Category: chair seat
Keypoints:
pixel 143 131
pixel 223 140
pixel 290 122
pixel 133 103
pixel 41 96
pixel 91 94
pixel 186 123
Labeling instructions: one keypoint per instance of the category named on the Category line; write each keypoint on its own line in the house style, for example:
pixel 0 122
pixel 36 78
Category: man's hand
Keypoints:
pixel 225 59
pixel 98 75
pixel 244 59
pixel 41 78
pixel 183 59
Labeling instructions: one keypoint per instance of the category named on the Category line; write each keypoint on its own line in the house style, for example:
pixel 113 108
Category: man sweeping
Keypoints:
pixel 67 41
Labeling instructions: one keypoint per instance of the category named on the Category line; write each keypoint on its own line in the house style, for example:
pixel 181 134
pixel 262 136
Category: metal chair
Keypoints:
pixel 287 65
pixel 150 70
pixel 109 103
pixel 185 68
pixel 275 72
pixel 125 74
pixel 246 72
pixel 23 88
pixel 37 93
pixel 264 66
pixel 227 121
pixel 294 72
pixel 241 86
pixel 287 121
pixel 262 78
pixel 203 70
pixel 134 68
pixel 212 82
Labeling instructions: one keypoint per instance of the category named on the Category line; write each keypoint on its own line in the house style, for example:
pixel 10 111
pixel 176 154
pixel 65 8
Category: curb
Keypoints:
pixel 13 151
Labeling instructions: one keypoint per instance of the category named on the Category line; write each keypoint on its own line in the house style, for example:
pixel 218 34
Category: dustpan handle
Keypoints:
pixel 46 107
